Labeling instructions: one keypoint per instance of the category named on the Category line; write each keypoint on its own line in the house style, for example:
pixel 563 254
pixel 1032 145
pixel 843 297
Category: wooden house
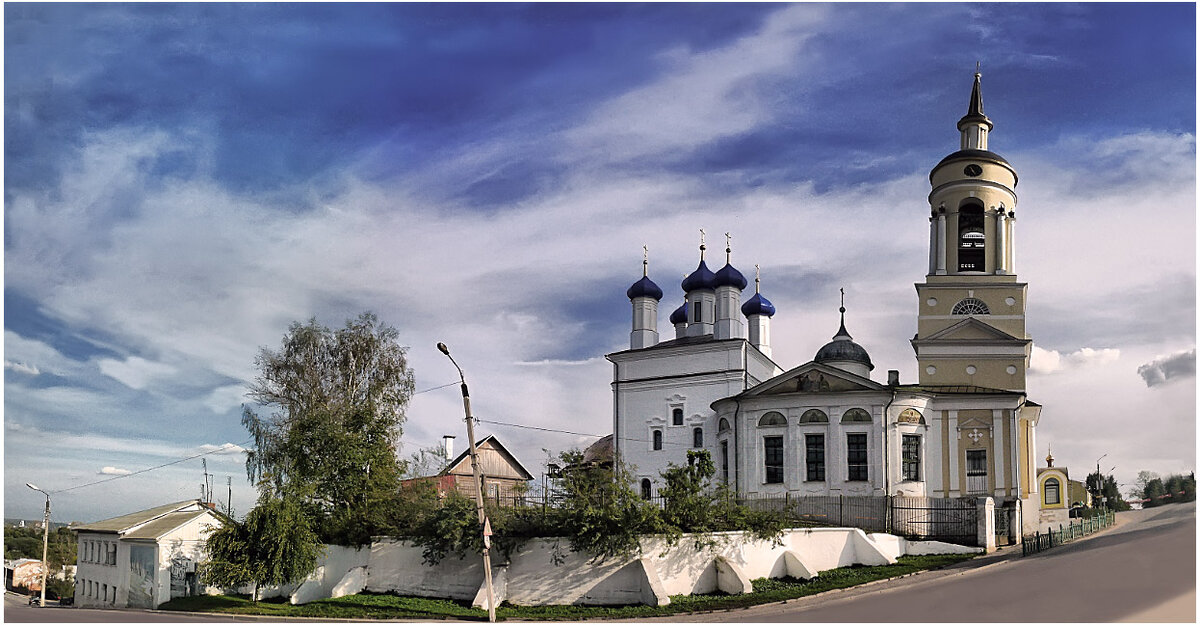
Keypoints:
pixel 503 475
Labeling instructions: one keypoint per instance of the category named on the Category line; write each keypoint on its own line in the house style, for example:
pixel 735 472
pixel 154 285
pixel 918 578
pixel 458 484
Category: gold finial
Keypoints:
pixel 977 74
pixel 1049 456
pixel 645 261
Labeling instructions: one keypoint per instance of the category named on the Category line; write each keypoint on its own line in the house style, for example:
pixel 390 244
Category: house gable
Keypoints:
pixel 495 462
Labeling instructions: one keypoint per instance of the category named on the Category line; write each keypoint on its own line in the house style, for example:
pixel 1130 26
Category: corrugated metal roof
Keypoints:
pixel 164 524
pixel 124 522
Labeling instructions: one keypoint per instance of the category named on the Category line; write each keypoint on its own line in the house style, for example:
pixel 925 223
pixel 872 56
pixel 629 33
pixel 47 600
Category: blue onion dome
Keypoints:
pixel 843 348
pixel 758 305
pixel 728 276
pixel 701 278
pixel 644 288
pixel 680 314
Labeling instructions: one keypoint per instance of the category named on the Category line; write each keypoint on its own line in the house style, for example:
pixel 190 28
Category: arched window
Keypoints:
pixel 856 415
pixel 814 416
pixel 772 418
pixel 910 416
pixel 970 306
pixel 723 425
pixel 1053 491
pixel 657 440
pixel 645 488
pixel 677 416
pixel 972 243
pixel 697 437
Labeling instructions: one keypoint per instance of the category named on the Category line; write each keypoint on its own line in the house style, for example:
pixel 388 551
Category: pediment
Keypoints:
pixel 971 329
pixel 813 378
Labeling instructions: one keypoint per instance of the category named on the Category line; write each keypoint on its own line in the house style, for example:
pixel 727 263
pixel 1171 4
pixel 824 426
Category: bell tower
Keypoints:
pixel 971 317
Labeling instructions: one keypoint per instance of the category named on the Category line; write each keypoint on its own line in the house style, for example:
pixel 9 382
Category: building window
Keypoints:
pixel 856 457
pixel 856 415
pixel 725 461
pixel 112 554
pixel 677 416
pixel 723 425
pixel 1053 489
pixel 814 416
pixel 910 461
pixel 645 488
pixel 696 318
pixel 657 440
pixel 773 459
pixel 772 418
pixel 970 306
pixel 971 241
pixel 697 437
pixel 814 457
pixel 977 471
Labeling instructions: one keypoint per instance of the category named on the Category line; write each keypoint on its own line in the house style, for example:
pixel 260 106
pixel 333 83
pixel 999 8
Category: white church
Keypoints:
pixel 827 427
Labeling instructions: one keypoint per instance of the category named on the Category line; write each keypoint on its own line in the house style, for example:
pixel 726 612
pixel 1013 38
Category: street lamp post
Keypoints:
pixel 45 540
pixel 1099 478
pixel 483 521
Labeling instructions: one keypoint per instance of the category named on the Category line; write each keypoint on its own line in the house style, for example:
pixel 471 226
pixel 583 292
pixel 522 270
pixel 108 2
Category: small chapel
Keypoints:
pixel 828 427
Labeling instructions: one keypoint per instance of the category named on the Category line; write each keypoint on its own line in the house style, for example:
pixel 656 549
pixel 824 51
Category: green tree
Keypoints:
pixel 1154 491
pixel 425 462
pixel 597 510
pixel 1112 495
pixel 694 503
pixel 337 401
pixel 274 545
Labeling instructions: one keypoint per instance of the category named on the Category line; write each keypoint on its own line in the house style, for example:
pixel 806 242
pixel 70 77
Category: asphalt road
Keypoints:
pixel 16 611
pixel 1142 570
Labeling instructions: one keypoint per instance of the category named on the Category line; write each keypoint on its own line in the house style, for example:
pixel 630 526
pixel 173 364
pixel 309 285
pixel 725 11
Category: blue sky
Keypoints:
pixel 183 181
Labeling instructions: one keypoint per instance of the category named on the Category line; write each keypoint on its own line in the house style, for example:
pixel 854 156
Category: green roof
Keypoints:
pixel 164 524
pixel 122 523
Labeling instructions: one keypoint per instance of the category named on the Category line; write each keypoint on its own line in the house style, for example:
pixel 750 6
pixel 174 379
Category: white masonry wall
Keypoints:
pixel 531 577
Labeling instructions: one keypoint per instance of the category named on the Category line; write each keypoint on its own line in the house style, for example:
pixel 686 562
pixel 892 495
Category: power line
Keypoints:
pixel 146 470
pixel 534 427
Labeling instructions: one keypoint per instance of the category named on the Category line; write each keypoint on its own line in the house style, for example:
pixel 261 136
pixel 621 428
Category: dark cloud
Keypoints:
pixel 1174 367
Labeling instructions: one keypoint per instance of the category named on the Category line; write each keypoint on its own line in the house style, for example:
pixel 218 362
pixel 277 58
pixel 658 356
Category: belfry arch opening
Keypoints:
pixel 972 242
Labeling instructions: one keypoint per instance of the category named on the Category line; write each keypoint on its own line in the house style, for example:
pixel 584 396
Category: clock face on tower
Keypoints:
pixel 973 170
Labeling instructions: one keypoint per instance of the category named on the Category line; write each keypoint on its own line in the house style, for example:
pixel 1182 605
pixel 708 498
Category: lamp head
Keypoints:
pixel 32 486
pixel 442 347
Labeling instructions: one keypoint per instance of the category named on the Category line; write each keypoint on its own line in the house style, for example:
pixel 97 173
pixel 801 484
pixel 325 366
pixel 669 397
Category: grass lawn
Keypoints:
pixel 389 606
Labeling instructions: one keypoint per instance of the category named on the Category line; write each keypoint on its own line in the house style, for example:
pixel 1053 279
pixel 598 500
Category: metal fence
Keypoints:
pixel 919 518
pixel 1041 541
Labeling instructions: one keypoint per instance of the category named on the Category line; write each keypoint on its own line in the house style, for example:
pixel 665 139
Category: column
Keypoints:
pixel 1012 242
pixel 1001 243
pixel 932 246
pixel 941 244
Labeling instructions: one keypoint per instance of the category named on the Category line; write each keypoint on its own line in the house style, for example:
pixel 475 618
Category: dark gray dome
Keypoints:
pixel 843 348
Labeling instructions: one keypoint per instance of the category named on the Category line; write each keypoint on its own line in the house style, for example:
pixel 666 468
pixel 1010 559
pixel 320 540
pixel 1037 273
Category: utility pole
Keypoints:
pixel 45 540
pixel 484 525
pixel 229 495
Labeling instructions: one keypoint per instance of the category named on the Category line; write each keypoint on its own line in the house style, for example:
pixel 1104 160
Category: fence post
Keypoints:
pixel 841 514
pixel 985 524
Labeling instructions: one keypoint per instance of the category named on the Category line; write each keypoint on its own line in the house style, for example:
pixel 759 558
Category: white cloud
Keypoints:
pixel 223 398
pixel 21 367
pixel 113 471
pixel 225 448
pixel 134 372
pixel 1044 361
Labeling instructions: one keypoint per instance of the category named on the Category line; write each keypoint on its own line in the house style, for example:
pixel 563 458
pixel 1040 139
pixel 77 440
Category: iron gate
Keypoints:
pixel 1005 522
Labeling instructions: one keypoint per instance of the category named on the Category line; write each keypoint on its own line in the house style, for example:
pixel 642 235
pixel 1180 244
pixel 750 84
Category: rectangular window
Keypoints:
pixel 697 437
pixel 773 459
pixel 977 473
pixel 856 457
pixel 911 457
pixel 814 457
pixel 696 318
pixel 656 440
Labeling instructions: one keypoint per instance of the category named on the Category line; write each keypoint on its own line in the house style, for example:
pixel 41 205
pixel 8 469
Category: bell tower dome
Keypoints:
pixel 971 321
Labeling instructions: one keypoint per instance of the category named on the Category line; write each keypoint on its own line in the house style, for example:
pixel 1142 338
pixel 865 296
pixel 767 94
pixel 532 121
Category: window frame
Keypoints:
pixel 858 471
pixel 697 437
pixel 910 457
pixel 1057 491
pixel 773 445
pixel 814 467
